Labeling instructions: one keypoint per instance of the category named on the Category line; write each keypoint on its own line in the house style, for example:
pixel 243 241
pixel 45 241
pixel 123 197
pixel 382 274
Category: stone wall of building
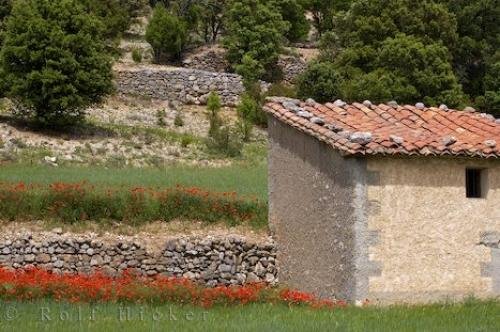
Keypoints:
pixel 188 86
pixel 209 260
pixel 432 242
pixel 312 213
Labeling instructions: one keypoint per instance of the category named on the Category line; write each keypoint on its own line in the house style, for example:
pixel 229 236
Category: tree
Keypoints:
pixel 324 12
pixel 293 13
pixel 167 34
pixel 476 56
pixel 370 22
pixel 254 28
pixel 212 12
pixel 113 14
pixel 320 81
pixel 403 68
pixel 53 62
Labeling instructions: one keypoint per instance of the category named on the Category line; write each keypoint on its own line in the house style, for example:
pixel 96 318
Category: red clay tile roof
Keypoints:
pixel 366 129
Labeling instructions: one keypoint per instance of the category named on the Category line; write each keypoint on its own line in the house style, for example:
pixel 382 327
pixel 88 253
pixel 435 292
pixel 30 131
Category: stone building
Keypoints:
pixel 387 203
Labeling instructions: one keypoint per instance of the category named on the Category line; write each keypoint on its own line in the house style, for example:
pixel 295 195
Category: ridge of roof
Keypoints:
pixel 361 129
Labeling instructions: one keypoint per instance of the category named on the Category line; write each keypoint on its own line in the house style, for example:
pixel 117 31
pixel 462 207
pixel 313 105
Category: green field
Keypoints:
pixel 243 179
pixel 50 316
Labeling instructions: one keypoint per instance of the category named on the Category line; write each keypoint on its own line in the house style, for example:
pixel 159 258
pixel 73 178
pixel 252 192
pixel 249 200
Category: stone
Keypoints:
pixel 393 104
pixel 334 127
pixel 96 260
pixel 339 103
pixel 362 138
pixel 396 139
pixel 310 102
pixel 305 114
pixel 420 106
pixel 367 103
pixel 29 258
pixel 443 107
pixel 317 120
pixel 269 278
pixel 469 109
pixel 490 143
pixel 449 140
pixel 252 278
pixel 57 230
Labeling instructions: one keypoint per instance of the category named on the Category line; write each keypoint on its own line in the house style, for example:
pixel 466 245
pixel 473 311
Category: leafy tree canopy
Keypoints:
pixel 53 62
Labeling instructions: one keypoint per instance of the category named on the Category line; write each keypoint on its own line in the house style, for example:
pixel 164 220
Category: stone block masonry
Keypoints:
pixel 188 86
pixel 208 260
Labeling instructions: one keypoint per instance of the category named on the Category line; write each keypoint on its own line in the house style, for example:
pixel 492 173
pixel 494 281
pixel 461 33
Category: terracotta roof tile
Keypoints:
pixel 393 130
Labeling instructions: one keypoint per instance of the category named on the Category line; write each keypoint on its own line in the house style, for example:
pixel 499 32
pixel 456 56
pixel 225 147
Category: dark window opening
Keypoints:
pixel 473 179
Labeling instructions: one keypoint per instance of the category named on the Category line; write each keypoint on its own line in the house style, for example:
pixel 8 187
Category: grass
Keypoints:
pixel 244 180
pixel 52 316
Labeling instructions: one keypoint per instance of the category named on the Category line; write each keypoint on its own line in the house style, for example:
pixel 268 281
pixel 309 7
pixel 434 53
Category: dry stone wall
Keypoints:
pixel 208 260
pixel 188 86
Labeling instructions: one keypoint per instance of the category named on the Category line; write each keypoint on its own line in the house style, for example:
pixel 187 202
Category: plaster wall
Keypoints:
pixel 430 237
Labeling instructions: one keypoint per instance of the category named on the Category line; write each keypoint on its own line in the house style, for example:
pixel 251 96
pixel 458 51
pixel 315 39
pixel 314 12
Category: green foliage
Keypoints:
pixel 167 34
pixel 388 49
pixel 214 106
pixel 250 69
pixel 247 110
pixel 212 12
pixel 5 8
pixel 404 69
pixel 371 22
pixel 137 55
pixel 178 120
pixel 160 118
pixel 114 15
pixel 325 11
pixel 282 89
pixel 320 81
pixel 53 61
pixel 254 28
pixel 71 203
pixel 293 12
pixel 476 55
pixel 221 137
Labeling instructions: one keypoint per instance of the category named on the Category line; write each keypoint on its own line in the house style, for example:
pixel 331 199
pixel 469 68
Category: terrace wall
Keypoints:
pixel 209 260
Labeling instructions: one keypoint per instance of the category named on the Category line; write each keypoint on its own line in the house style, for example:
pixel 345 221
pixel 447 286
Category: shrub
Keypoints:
pixel 167 34
pixel 320 81
pixel 160 118
pixel 137 55
pixel 221 137
pixel 282 90
pixel 214 106
pixel 53 62
pixel 178 120
pixel 247 112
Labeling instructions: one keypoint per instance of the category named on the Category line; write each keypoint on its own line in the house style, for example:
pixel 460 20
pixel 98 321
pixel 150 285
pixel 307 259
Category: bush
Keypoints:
pixel 282 90
pixel 137 55
pixel 320 81
pixel 178 120
pixel 248 112
pixel 160 118
pixel 221 137
pixel 53 61
pixel 167 35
